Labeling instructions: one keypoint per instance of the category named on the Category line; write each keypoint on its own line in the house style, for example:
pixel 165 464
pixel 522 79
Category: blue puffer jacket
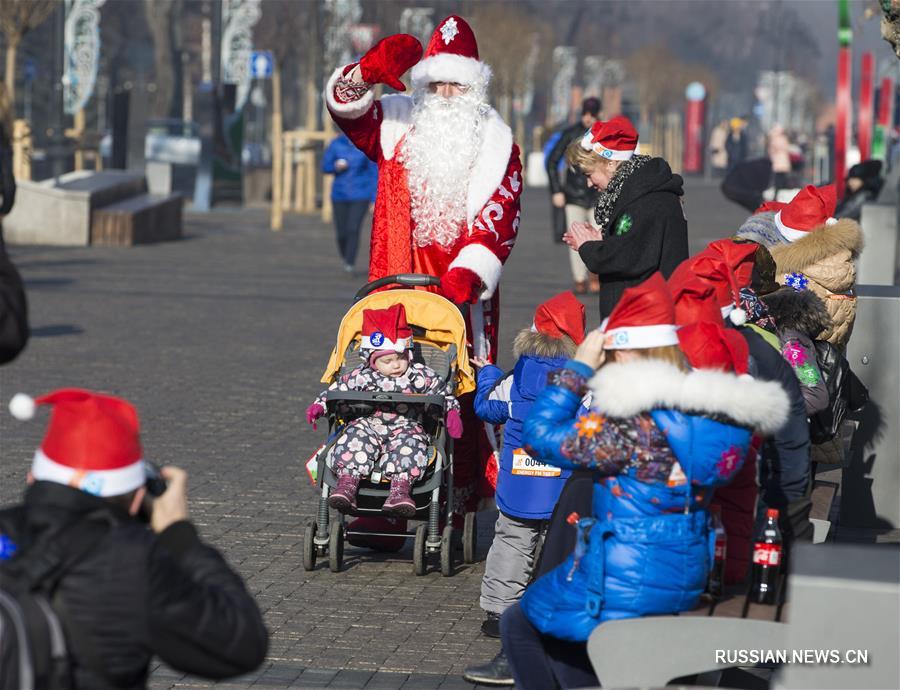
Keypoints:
pixel 359 181
pixel 507 399
pixel 660 441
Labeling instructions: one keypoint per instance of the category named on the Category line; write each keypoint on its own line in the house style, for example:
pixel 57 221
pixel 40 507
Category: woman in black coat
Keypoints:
pixel 642 226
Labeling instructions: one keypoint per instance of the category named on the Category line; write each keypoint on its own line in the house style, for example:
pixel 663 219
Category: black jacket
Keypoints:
pixel 784 467
pixel 575 186
pixel 13 309
pixel 137 594
pixel 647 233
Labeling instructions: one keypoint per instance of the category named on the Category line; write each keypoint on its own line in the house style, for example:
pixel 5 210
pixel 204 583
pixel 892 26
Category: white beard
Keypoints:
pixel 438 153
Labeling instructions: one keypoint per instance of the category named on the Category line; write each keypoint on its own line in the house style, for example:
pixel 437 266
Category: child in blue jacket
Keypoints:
pixel 527 490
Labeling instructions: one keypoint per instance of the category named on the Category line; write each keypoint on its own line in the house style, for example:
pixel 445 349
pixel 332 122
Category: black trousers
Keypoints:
pixel 348 217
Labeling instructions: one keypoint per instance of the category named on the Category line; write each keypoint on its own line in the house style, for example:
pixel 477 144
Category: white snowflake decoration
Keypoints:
pixel 449 30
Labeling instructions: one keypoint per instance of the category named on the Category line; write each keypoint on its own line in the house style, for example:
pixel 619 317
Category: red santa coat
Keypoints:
pixel 377 127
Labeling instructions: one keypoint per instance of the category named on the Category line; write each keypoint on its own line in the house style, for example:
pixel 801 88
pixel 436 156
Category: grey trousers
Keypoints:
pixel 509 562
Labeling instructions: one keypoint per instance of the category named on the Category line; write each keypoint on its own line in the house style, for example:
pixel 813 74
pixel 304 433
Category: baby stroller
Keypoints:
pixel 439 334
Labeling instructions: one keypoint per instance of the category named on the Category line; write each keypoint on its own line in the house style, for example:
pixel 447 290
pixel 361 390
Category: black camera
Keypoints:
pixel 155 483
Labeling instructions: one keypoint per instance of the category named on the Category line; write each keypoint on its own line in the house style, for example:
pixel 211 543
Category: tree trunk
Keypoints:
pixel 8 93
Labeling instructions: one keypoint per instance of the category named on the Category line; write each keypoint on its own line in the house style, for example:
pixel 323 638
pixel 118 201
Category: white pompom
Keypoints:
pixel 831 221
pixel 22 407
pixel 738 317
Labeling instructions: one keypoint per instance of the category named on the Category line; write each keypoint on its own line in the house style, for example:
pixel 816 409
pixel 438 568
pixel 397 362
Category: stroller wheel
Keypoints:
pixel 310 551
pixel 419 562
pixel 336 546
pixel 469 537
pixel 447 551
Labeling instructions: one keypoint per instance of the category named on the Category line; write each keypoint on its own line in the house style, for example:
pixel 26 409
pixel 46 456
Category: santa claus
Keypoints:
pixel 449 181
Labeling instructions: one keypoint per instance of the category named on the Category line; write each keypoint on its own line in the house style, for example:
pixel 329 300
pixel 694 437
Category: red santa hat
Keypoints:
pixel 385 330
pixel 451 56
pixel 711 270
pixel 92 442
pixel 615 139
pixel 740 257
pixel 695 301
pixel 559 316
pixel 710 346
pixel 643 317
pixel 770 206
pixel 812 208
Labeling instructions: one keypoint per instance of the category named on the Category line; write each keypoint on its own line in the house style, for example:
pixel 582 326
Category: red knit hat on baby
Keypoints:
pixel 559 316
pixel 710 346
pixel 812 208
pixel 615 139
pixel 643 317
pixel 385 330
pixel 451 56
pixel 92 442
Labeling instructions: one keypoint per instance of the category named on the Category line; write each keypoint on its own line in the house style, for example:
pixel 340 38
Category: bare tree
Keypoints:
pixel 162 16
pixel 17 18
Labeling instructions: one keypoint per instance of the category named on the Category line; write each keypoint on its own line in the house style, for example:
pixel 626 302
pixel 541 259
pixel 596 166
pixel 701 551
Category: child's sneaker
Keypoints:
pixel 343 498
pixel 399 501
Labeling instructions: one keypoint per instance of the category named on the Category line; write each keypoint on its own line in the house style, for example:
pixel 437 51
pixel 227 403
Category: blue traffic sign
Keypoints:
pixel 261 64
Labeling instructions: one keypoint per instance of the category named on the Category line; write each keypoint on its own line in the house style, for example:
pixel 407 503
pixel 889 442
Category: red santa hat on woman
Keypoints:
pixel 812 208
pixel 615 139
pixel 385 331
pixel 92 442
pixel 643 317
pixel 560 316
pixel 710 346
pixel 451 56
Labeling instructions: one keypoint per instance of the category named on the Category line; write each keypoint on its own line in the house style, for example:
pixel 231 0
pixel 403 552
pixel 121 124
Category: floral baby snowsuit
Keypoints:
pixel 391 438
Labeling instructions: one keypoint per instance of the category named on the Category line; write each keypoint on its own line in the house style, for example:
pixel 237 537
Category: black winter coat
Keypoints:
pixel 575 186
pixel 137 594
pixel 13 309
pixel 647 233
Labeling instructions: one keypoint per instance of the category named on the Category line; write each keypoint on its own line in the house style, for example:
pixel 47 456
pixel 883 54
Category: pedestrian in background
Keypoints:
pixel 718 155
pixel 574 194
pixel 778 148
pixel 736 143
pixel 640 223
pixel 353 192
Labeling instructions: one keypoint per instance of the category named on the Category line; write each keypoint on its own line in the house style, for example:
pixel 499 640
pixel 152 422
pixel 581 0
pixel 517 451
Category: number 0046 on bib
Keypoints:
pixel 527 466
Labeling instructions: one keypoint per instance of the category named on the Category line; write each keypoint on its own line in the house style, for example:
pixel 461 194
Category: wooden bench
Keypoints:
pixel 137 220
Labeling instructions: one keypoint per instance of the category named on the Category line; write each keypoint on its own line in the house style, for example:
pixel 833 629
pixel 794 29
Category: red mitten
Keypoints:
pixel 388 59
pixel 454 424
pixel 460 285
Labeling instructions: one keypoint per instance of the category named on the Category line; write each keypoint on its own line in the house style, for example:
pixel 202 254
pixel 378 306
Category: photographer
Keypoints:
pixel 135 591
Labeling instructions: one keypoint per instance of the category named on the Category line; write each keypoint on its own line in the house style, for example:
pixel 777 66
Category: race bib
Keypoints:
pixel 526 466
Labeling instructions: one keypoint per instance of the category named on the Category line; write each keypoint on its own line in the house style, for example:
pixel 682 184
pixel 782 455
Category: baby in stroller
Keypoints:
pixel 391 437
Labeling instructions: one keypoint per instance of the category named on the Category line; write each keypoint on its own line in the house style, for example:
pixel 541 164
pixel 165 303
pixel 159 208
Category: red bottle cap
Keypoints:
pixel 772 513
pixel 573 518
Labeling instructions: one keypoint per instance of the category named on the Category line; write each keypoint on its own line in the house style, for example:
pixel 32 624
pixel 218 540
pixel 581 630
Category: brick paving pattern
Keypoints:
pixel 219 339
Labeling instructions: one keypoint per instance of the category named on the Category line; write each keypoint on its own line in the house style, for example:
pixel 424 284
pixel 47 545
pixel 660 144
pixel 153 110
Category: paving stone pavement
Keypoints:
pixel 219 339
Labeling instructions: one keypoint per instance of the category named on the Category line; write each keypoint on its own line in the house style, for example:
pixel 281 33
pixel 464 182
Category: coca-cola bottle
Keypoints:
pixel 766 562
pixel 716 581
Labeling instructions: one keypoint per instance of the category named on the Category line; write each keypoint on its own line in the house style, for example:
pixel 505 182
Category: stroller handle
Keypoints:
pixel 406 279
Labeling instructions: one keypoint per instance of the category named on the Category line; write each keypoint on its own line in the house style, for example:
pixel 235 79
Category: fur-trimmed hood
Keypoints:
pixel 798 310
pixel 818 245
pixel 627 389
pixel 535 344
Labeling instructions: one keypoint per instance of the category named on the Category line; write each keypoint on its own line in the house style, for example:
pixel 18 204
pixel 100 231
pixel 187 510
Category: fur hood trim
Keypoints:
pixel 818 245
pixel 529 342
pixel 798 310
pixel 624 390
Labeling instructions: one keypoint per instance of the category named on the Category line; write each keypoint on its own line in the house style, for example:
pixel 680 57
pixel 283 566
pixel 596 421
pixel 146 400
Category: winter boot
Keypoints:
pixel 490 626
pixel 399 502
pixel 495 672
pixel 343 498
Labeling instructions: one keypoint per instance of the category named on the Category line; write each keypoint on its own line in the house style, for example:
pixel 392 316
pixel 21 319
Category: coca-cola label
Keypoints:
pixel 720 550
pixel 766 554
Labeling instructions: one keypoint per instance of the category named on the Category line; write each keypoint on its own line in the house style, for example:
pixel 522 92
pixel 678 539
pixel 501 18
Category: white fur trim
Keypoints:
pixel 348 111
pixel 789 233
pixel 96 482
pixel 450 67
pixel 397 346
pixel 490 165
pixel 588 144
pixel 624 390
pixel 481 261
pixel 640 337
pixel 22 407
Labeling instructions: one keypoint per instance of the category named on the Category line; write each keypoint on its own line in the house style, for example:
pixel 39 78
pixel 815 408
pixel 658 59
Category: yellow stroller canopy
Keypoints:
pixel 443 323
